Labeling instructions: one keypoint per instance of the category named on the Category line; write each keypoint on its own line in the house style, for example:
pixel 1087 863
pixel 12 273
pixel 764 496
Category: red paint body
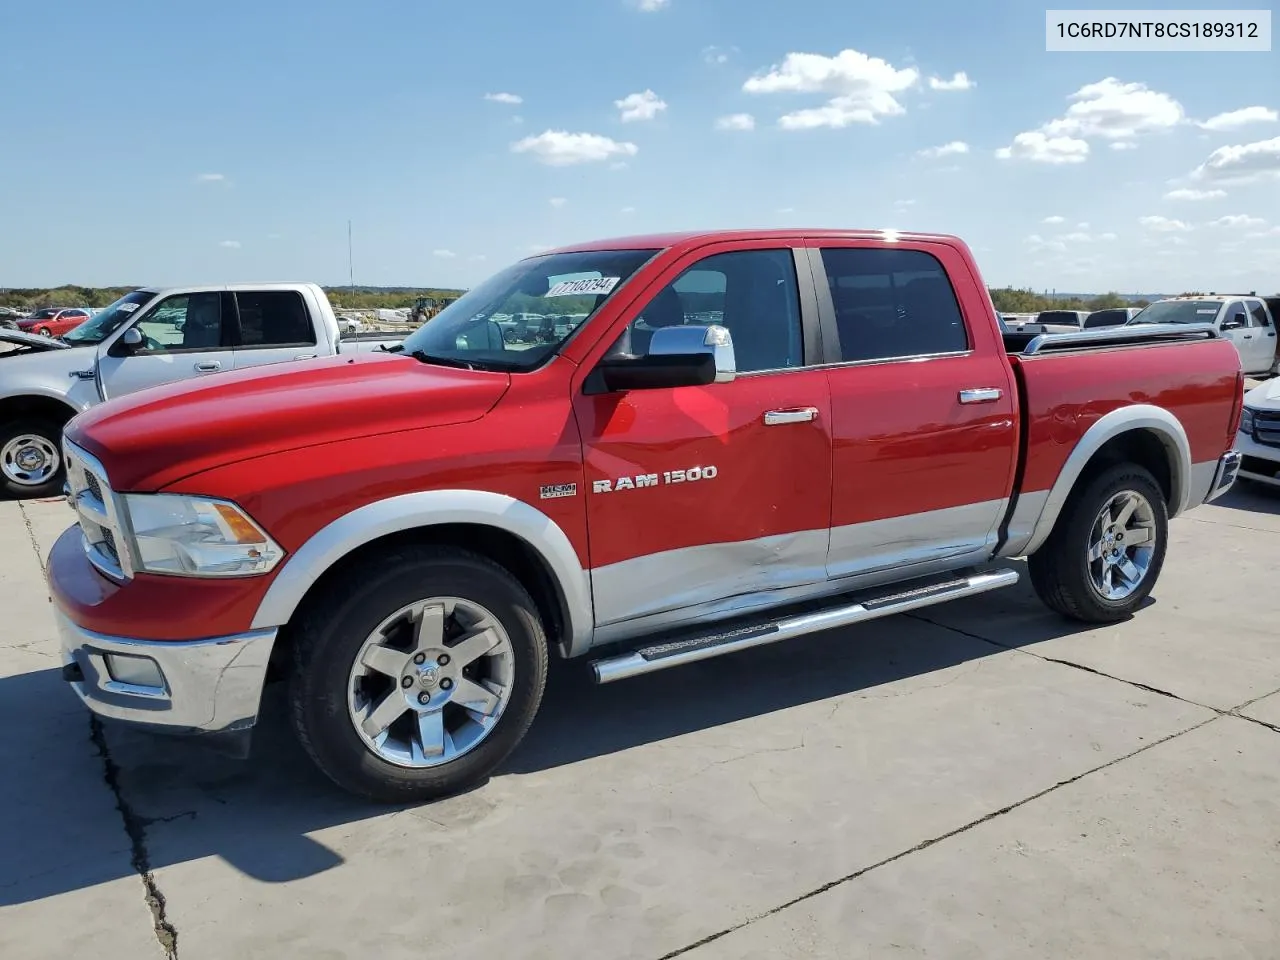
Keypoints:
pixel 54 325
pixel 303 444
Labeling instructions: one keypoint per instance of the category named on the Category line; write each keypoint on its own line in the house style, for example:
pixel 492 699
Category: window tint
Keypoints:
pixel 188 322
pixel 892 303
pixel 1259 312
pixel 274 318
pixel 751 292
pixel 1236 316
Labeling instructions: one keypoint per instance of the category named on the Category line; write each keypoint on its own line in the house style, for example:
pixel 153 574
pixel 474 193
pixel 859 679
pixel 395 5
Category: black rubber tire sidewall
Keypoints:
pixel 50 431
pixel 1060 568
pixel 333 632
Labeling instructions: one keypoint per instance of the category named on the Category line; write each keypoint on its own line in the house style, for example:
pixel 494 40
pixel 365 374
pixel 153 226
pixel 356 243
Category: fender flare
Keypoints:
pixel 1142 416
pixel 426 509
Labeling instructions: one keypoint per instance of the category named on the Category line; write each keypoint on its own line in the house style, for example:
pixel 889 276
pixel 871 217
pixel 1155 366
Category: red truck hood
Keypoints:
pixel 150 439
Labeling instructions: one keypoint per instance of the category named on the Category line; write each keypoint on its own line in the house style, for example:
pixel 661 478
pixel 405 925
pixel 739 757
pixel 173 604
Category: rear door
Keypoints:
pixel 184 336
pixel 273 326
pixel 923 409
pixel 711 499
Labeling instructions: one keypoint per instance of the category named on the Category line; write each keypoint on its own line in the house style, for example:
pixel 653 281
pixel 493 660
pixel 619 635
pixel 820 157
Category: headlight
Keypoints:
pixel 197 537
pixel 1246 422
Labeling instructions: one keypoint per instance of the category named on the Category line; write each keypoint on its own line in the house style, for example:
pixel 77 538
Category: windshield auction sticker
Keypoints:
pixel 578 288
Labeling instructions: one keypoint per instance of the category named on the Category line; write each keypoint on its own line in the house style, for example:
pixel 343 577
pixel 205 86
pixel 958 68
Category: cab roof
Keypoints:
pixel 697 238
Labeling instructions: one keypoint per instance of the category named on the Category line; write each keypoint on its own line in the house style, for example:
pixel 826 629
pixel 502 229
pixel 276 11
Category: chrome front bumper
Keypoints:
pixel 1228 470
pixel 188 687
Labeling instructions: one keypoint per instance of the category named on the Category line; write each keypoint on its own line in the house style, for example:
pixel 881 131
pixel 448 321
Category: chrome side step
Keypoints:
pixel 703 646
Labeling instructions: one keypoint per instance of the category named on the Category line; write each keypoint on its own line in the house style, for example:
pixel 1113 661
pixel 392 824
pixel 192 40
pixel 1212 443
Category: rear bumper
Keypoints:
pixel 184 687
pixel 1225 475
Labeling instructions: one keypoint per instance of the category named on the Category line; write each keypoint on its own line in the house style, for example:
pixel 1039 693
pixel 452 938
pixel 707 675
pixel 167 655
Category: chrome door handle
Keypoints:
pixel 208 366
pixel 981 395
pixel 801 415
pixel 305 356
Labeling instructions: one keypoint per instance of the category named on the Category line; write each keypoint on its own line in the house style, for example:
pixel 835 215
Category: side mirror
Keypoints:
pixel 487 336
pixel 1233 323
pixel 129 342
pixel 684 356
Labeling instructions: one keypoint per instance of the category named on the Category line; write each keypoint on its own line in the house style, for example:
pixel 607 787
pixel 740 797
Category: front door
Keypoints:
pixel 923 410
pixel 1260 339
pixel 183 337
pixel 275 326
pixel 706 501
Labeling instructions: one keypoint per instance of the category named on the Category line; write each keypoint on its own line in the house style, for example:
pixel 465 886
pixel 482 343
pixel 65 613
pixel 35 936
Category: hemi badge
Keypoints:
pixel 555 491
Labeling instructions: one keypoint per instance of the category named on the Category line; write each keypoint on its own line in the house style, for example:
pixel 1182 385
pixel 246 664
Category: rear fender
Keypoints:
pixel 1035 529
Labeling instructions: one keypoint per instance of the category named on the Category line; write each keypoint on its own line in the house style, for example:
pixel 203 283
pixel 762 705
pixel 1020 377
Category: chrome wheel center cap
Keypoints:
pixel 29 458
pixel 427 677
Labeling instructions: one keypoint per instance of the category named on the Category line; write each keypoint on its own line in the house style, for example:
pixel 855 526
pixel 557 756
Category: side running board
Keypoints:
pixel 705 645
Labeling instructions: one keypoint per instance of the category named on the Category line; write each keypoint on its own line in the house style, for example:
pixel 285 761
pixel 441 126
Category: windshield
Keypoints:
pixel 101 325
pixel 519 317
pixel 1179 311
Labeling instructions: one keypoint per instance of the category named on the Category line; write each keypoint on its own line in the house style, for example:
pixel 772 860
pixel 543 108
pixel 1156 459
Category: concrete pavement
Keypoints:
pixel 978 780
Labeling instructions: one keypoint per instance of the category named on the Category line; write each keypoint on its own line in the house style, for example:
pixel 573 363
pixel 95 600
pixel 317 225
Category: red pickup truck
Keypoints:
pixel 725 440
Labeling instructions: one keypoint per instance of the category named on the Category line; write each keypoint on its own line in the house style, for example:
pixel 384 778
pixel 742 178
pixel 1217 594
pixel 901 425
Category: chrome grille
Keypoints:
pixel 1266 428
pixel 98 510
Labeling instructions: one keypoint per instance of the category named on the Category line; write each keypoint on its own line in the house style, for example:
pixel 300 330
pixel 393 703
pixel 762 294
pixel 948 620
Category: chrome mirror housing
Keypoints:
pixel 692 340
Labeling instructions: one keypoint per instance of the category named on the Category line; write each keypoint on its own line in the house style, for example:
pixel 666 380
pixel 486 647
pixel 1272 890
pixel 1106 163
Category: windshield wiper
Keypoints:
pixel 424 357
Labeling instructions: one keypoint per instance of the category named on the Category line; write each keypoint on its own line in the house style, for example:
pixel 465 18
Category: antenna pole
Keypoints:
pixel 351 270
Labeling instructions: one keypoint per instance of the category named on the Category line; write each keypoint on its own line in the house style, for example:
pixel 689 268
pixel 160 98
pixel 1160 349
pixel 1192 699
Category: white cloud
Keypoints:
pixel 1238 220
pixel 947 149
pixel 559 148
pixel 960 81
pixel 211 178
pixel 1113 110
pixel 229 244
pixel 1242 163
pixel 650 6
pixel 1124 145
pixel 736 121
pixel 512 98
pixel 1106 236
pixel 1164 224
pixel 786 209
pixel 640 106
pixel 1079 237
pixel 1239 118
pixel 557 201
pixel 717 55
pixel 1185 193
pixel 903 204
pixel 1038 148
pixel 627 210
pixel 618 165
pixel 1054 219
pixel 862 89
pixel 1082 225
pixel 443 254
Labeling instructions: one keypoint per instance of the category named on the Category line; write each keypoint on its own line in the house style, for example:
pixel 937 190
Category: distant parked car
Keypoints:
pixel 1114 317
pixel 53 321
pixel 1061 321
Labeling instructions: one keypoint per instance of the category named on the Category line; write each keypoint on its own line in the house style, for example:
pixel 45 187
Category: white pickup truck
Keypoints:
pixel 149 337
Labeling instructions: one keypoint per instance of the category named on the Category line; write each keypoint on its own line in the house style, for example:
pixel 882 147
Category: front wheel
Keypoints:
pixel 31 459
pixel 1107 548
pixel 420 682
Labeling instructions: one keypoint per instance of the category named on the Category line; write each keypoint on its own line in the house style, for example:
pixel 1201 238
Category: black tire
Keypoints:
pixel 51 432
pixel 1060 569
pixel 330 637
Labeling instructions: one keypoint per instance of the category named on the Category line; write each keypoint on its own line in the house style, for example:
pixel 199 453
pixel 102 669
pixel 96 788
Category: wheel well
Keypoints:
pixel 505 549
pixel 1143 447
pixel 43 408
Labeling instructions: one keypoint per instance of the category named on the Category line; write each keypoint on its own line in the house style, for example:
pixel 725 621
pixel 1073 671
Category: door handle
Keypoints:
pixel 305 356
pixel 776 418
pixel 981 395
pixel 1248 336
pixel 208 366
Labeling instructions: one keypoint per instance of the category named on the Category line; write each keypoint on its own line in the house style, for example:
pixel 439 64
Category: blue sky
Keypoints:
pixel 162 142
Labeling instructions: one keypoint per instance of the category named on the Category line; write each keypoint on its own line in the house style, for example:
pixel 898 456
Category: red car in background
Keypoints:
pixel 53 321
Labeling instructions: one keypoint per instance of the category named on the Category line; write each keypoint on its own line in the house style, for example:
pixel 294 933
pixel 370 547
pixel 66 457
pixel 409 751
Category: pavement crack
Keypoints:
pixel 31 533
pixel 135 827
pixel 924 845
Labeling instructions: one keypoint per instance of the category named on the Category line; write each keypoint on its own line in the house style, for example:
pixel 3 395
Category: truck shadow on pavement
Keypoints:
pixel 76 818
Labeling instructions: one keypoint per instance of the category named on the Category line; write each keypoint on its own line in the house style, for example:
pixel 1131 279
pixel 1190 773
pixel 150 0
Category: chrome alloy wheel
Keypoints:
pixel 431 682
pixel 1121 545
pixel 30 459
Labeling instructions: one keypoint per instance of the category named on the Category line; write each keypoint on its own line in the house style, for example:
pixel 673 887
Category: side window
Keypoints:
pixel 1235 317
pixel 186 322
pixel 1259 313
pixel 751 292
pixel 893 304
pixel 274 318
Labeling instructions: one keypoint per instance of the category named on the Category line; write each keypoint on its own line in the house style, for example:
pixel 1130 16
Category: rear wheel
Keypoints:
pixel 1106 550
pixel 31 458
pixel 44 331
pixel 419 683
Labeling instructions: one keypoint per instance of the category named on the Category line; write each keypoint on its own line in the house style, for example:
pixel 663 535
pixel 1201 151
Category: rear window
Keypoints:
pixel 1069 317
